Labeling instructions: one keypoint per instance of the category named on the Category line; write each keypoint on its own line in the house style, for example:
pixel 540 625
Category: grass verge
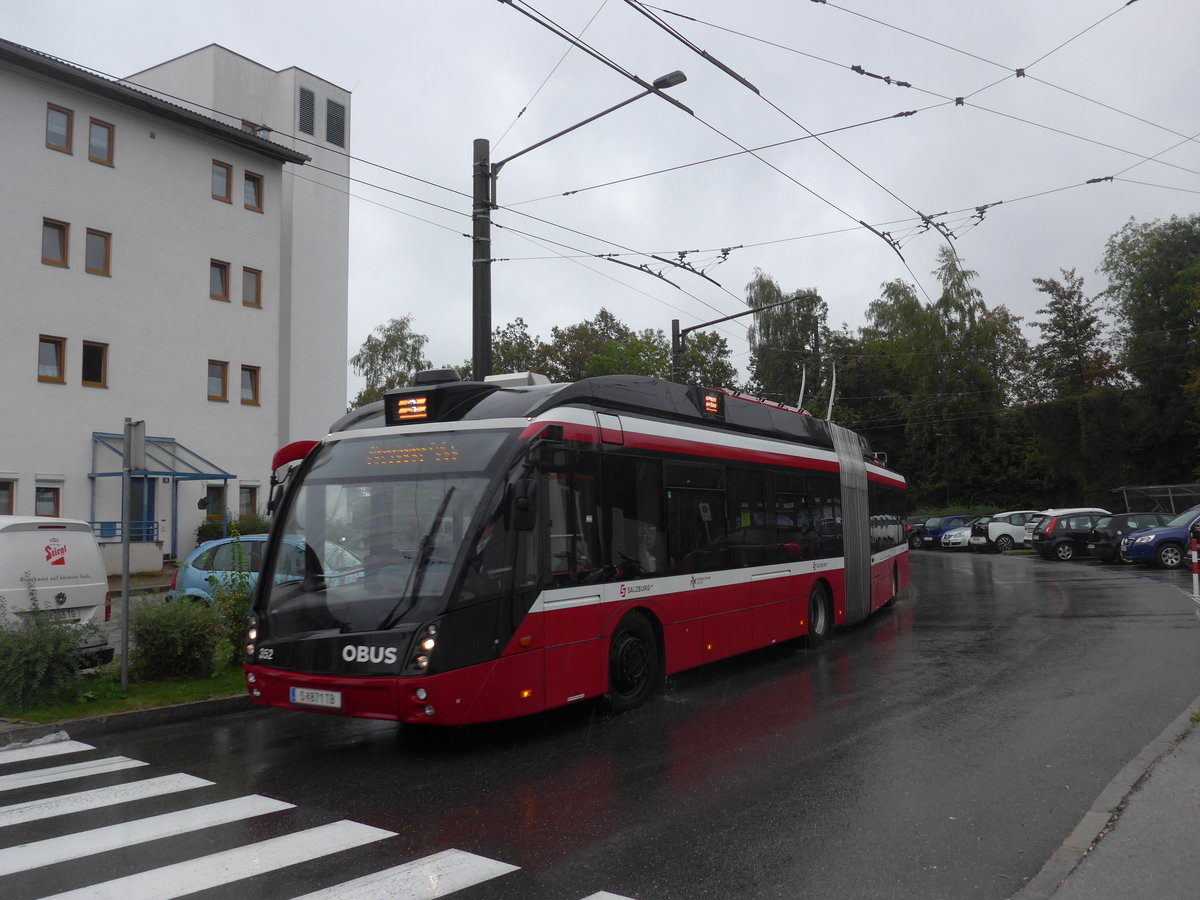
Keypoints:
pixel 100 695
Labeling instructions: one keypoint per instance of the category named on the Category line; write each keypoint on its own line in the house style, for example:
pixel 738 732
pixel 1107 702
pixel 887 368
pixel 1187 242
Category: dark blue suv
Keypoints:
pixel 936 526
pixel 1167 545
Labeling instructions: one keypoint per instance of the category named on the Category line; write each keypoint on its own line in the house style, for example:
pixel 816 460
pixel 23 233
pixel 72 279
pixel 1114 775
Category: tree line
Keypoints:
pixel 947 386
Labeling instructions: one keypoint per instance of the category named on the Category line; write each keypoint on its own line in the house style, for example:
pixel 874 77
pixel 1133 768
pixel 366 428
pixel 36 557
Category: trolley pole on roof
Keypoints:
pixel 483 200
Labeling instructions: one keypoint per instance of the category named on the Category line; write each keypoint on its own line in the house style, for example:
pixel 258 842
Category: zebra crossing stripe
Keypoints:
pixel 82 801
pixel 23 857
pixel 231 865
pixel 66 773
pixel 605 895
pixel 41 751
pixel 422 879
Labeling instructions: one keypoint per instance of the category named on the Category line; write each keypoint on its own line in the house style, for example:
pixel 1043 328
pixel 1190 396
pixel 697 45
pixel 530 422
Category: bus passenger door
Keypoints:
pixel 572 576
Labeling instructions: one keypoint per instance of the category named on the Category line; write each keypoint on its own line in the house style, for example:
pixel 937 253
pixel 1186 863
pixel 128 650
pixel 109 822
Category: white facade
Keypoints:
pixel 139 331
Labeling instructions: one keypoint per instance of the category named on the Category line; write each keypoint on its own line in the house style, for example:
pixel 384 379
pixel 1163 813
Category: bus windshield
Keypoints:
pixel 375 528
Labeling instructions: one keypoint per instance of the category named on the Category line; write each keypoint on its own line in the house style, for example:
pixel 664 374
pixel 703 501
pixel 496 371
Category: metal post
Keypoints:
pixel 1195 570
pixel 676 349
pixel 481 262
pixel 133 458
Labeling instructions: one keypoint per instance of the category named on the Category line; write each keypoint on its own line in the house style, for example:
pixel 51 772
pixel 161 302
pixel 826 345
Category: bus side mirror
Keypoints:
pixel 524 511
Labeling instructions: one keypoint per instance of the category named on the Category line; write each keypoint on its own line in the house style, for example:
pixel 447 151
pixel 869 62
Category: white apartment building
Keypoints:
pixel 175 247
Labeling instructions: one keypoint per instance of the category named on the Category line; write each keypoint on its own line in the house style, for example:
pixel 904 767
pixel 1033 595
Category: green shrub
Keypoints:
pixel 230 525
pixel 38 662
pixel 232 602
pixel 175 640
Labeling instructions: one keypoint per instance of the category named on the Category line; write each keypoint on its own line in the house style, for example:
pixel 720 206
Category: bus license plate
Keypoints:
pixel 311 697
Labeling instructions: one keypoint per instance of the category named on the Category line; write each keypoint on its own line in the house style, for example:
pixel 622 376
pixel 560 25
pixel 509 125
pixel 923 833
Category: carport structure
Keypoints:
pixel 1170 498
pixel 166 459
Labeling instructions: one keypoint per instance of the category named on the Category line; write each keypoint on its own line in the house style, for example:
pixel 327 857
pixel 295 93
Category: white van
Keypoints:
pixel 56 564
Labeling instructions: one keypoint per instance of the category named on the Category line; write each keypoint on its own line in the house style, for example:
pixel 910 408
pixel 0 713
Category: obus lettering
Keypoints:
pixel 354 653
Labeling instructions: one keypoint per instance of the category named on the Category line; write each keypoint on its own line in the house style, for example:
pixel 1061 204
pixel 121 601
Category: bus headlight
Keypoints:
pixel 251 638
pixel 425 645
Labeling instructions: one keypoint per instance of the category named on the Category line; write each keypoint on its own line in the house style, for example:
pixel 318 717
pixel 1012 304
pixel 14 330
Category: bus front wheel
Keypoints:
pixel 820 616
pixel 633 663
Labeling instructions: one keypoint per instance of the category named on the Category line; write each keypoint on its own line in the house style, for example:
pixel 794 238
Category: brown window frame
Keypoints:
pixel 112 137
pixel 103 382
pixel 222 397
pixel 247 492
pixel 107 236
pixel 255 379
pixel 254 177
pixel 56 492
pixel 224 267
pixel 215 508
pixel 64 229
pixel 60 343
pixel 9 496
pixel 70 114
pixel 256 299
pixel 227 197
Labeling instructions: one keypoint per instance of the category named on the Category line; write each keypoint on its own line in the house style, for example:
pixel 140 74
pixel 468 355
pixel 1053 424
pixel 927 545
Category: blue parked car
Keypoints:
pixel 1167 545
pixel 216 562
pixel 936 526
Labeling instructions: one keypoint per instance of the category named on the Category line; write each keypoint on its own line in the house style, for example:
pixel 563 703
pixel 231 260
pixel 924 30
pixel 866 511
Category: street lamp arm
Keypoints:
pixel 497 166
pixel 678 334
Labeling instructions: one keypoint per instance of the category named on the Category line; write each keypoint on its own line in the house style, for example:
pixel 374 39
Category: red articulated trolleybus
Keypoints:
pixel 473 551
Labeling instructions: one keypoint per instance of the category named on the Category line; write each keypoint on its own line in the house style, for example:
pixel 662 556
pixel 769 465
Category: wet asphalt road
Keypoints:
pixel 944 748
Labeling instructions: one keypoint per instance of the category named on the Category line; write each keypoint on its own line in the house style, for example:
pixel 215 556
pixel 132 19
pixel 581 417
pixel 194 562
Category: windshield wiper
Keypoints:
pixel 417 572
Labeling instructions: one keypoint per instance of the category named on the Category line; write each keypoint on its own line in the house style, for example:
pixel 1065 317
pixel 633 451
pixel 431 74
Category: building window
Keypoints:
pixel 308 109
pixel 58 128
pixel 250 385
pixel 247 500
pixel 222 181
pixel 217 380
pixel 215 508
pixel 218 279
pixel 95 364
pixel 54 242
pixel 46 501
pixel 52 357
pixel 96 249
pixel 100 142
pixel 254 192
pixel 8 493
pixel 335 123
pixel 251 287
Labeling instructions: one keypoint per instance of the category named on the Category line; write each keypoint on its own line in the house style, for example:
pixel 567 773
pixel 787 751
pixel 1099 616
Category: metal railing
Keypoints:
pixel 139 530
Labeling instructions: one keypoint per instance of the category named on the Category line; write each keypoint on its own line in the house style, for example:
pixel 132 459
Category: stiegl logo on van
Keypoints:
pixel 56 554
pixel 357 653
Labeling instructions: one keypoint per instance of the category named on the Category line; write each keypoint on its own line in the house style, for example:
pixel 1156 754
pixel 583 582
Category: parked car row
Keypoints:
pixel 1064 533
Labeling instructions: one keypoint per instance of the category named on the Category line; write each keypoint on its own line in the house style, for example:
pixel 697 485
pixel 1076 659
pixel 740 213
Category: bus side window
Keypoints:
pixel 637 545
pixel 572 523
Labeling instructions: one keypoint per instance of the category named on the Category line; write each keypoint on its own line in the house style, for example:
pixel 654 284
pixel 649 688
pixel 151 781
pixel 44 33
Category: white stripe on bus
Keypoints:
pixel 66 773
pixel 82 801
pixel 23 857
pixel 423 879
pixel 217 869
pixel 667 585
pixel 41 751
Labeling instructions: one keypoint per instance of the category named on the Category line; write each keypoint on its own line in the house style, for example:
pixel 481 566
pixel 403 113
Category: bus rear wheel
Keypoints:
pixel 633 663
pixel 820 616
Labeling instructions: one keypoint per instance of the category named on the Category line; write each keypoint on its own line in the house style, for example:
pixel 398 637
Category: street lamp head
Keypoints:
pixel 669 80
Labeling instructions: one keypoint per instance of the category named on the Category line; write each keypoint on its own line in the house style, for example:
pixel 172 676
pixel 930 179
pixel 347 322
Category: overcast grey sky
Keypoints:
pixel 1109 90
